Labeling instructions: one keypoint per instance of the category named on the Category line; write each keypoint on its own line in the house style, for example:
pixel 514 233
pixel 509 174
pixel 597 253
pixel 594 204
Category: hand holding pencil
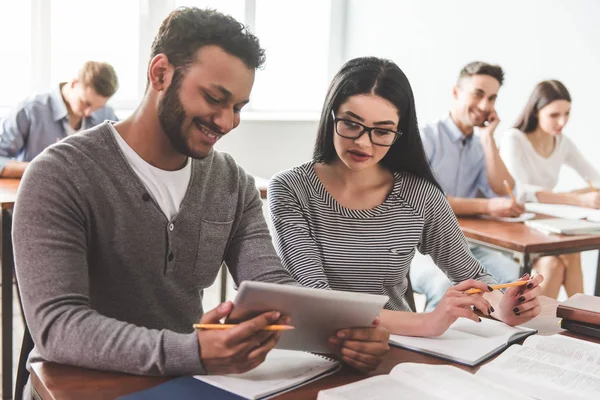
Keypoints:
pixel 501 286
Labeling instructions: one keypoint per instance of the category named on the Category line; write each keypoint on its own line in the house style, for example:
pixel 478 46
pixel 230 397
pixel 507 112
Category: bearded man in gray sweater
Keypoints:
pixel 118 230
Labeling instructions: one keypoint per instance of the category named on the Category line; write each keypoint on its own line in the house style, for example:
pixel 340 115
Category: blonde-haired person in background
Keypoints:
pixel 534 152
pixel 46 118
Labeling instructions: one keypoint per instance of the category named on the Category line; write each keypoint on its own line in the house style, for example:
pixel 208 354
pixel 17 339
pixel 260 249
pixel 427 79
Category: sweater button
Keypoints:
pixel 146 197
pixel 171 256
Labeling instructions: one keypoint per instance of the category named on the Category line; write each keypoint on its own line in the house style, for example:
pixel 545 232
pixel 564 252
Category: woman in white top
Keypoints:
pixel 534 151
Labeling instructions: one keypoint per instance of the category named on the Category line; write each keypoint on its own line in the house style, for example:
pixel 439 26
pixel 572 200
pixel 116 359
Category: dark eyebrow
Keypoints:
pixel 351 114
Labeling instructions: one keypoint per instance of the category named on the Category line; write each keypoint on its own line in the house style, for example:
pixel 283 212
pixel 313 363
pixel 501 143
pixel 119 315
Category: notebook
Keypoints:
pixel 466 342
pixel 564 211
pixel 282 371
pixel 564 226
pixel 549 368
pixel 414 381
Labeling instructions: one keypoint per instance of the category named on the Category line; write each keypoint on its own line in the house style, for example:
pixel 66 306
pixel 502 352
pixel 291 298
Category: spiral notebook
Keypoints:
pixel 282 371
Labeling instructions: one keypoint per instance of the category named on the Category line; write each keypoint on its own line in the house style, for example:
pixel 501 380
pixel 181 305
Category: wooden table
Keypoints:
pixel 8 195
pixel 60 382
pixel 526 244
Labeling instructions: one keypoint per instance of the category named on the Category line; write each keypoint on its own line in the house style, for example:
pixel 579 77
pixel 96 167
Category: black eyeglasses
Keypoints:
pixel 353 130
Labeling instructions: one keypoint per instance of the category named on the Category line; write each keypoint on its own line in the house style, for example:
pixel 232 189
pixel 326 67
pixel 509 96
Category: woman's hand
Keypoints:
pixel 456 304
pixel 520 304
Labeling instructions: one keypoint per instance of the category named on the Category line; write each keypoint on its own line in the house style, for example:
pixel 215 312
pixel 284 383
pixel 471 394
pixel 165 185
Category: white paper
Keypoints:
pixel 465 341
pixel 549 368
pixel 282 369
pixel 559 210
pixel 521 218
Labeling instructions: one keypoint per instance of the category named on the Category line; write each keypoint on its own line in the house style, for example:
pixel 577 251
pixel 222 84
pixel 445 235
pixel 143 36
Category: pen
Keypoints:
pixel 227 326
pixel 510 192
pixel 590 184
pixel 502 286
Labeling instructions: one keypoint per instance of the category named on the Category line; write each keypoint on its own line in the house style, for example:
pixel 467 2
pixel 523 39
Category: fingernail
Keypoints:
pixel 277 315
pixel 341 335
pixel 479 319
pixel 223 307
pixel 529 285
pixel 492 308
pixel 490 288
pixel 517 313
pixel 521 299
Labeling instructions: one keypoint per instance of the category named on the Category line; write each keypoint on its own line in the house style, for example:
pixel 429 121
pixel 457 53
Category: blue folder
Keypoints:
pixel 184 388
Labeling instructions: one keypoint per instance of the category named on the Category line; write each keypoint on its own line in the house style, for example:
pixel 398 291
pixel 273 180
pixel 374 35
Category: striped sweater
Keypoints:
pixel 325 245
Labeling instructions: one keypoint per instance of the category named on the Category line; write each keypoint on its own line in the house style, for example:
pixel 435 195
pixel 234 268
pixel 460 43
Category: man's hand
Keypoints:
pixel 362 348
pixel 503 207
pixel 456 304
pixel 487 130
pixel 238 349
pixel 520 304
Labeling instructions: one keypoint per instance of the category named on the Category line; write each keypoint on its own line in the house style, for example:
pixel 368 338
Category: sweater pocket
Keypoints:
pixel 212 244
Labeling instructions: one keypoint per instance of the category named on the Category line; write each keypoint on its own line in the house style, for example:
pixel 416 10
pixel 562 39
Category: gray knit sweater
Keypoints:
pixel 107 281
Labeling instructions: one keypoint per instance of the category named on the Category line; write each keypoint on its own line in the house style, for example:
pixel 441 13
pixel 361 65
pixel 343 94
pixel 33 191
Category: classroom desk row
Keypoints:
pixel 516 239
pixel 60 382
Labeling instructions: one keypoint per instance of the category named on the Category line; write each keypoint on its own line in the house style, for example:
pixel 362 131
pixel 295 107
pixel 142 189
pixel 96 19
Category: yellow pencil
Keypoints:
pixel 591 186
pixel 227 326
pixel 502 286
pixel 510 192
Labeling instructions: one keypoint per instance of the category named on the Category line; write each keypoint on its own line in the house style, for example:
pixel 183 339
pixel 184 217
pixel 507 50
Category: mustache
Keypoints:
pixel 209 125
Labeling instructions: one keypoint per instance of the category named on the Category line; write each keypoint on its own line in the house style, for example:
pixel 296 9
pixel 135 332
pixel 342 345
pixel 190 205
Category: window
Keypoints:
pixel 295 36
pixel 107 31
pixel 235 8
pixel 15 42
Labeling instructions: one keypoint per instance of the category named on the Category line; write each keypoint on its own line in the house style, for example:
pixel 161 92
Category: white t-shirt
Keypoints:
pixel 534 173
pixel 166 187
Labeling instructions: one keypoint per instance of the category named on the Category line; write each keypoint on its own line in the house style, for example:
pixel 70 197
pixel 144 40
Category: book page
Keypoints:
pixel 381 387
pixel 521 218
pixel 549 368
pixel 282 369
pixel 465 341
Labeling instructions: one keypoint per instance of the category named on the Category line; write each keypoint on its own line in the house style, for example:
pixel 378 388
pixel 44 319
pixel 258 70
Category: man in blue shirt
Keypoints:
pixel 470 170
pixel 46 118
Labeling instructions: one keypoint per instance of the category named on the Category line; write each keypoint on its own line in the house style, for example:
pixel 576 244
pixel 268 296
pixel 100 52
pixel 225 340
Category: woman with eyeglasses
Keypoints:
pixel 352 218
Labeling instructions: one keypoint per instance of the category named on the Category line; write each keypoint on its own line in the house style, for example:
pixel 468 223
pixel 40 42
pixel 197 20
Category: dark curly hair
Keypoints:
pixel 187 29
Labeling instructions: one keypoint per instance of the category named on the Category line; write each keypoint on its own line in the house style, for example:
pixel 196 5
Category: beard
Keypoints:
pixel 172 116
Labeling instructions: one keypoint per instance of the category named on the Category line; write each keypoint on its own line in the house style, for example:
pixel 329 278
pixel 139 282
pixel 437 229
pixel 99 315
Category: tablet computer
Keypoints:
pixel 316 313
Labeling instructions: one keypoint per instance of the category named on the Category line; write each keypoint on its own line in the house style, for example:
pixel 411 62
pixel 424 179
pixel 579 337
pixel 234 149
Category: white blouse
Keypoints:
pixel 533 172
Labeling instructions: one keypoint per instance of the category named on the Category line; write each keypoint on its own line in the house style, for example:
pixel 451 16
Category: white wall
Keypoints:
pixel 533 40
pixel 264 148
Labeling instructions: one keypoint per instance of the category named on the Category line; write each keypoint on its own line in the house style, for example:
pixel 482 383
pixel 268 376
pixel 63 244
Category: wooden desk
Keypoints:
pixel 526 244
pixel 60 382
pixel 8 195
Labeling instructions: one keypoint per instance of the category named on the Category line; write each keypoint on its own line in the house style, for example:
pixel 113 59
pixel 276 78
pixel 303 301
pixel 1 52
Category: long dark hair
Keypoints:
pixel 383 78
pixel 544 93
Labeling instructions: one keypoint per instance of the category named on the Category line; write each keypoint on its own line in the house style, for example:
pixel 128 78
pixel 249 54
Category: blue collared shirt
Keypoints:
pixel 458 162
pixel 39 122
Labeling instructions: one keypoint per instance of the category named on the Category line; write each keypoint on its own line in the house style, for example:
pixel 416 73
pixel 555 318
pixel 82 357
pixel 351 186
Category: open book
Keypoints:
pixel 549 368
pixel 466 342
pixel 424 382
pixel 282 371
pixel 521 218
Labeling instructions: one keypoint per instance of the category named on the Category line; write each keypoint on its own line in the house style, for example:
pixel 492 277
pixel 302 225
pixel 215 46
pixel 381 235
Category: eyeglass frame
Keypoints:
pixel 367 129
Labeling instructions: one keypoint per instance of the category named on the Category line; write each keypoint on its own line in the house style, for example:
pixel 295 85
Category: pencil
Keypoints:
pixel 227 326
pixel 590 184
pixel 502 286
pixel 509 190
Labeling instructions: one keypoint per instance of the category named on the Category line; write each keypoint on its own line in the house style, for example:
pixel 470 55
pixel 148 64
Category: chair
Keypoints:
pixel 22 373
